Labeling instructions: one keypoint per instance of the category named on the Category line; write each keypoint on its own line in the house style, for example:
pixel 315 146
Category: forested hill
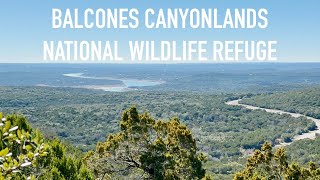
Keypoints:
pixel 144 148
pixel 305 102
pixel 227 134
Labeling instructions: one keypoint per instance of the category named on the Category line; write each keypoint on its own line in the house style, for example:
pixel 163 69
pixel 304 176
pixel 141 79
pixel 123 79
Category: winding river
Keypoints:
pixel 308 135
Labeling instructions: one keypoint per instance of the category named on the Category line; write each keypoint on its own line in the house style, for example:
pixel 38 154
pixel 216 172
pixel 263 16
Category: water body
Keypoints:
pixel 125 85
pixel 220 78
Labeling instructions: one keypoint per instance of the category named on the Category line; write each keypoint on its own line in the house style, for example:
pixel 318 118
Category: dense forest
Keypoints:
pixel 144 148
pixel 305 150
pixel 305 101
pixel 227 135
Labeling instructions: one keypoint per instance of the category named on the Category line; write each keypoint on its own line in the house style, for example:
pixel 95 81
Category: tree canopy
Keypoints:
pixel 143 148
pixel 20 147
pixel 266 164
pixel 24 154
pixel 148 148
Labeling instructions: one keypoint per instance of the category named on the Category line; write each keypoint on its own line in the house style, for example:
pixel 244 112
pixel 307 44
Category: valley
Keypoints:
pixel 312 134
pixel 82 105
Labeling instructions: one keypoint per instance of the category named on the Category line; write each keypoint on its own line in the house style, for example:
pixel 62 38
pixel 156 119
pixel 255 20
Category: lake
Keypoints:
pixel 221 78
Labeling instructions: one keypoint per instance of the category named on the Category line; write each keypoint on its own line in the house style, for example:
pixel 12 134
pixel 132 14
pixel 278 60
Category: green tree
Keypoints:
pixel 146 148
pixel 265 164
pixel 60 165
pixel 20 148
pixel 25 154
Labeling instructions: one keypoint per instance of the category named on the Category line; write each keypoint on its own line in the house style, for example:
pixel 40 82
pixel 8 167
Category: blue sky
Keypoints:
pixel 26 24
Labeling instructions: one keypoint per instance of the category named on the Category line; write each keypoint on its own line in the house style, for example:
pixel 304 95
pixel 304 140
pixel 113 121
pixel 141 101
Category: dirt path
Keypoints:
pixel 308 135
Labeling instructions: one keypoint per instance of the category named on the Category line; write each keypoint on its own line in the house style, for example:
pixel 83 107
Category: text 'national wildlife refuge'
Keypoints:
pixel 160 49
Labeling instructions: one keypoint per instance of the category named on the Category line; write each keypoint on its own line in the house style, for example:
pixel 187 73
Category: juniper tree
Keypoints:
pixel 148 148
pixel 266 164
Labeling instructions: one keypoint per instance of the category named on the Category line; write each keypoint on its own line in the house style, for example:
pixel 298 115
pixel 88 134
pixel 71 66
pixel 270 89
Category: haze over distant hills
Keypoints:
pixel 245 77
